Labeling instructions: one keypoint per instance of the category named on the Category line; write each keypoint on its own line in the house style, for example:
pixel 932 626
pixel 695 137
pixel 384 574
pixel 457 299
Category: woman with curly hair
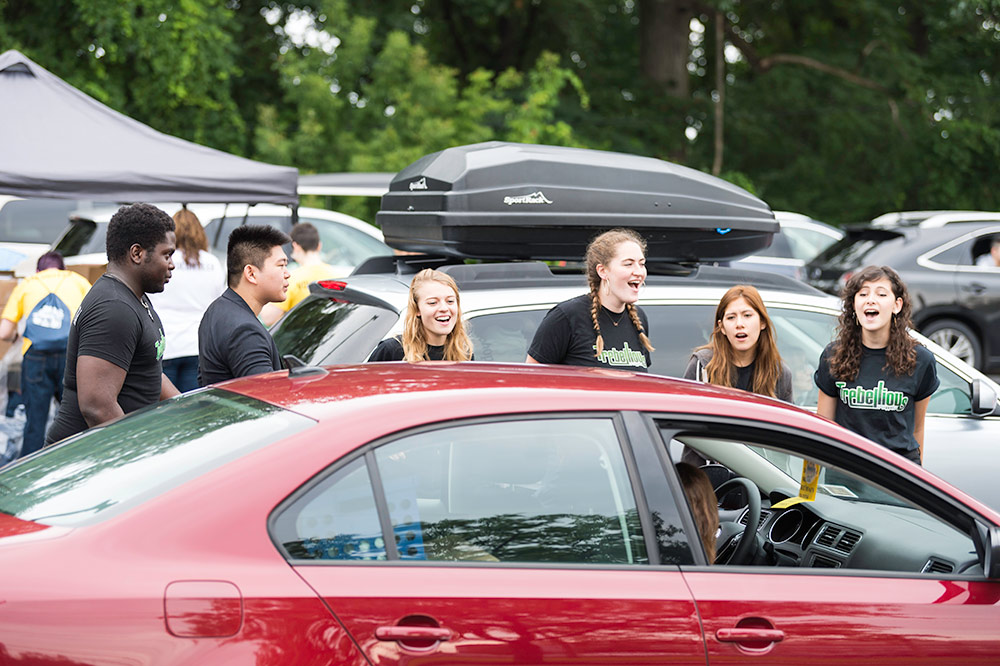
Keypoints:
pixel 874 378
pixel 604 327
pixel 433 328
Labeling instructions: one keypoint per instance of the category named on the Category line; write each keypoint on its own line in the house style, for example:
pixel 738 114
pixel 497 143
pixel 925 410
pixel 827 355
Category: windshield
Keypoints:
pixel 35 220
pixel 106 470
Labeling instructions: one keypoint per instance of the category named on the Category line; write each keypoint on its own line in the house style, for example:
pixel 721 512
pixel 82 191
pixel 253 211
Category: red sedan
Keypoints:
pixel 492 514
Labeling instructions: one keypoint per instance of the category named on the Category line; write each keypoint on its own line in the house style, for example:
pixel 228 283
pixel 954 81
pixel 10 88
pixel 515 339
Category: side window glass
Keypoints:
pixel 345 247
pixel 954 395
pixel 675 331
pixel 517 491
pixel 959 255
pixel 857 520
pixel 334 520
pixel 504 337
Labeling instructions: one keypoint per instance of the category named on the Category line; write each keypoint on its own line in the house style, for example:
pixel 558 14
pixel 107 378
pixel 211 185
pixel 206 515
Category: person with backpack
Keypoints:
pixel 47 302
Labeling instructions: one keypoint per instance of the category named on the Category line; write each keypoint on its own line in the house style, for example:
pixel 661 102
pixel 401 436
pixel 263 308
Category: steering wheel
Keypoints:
pixel 745 537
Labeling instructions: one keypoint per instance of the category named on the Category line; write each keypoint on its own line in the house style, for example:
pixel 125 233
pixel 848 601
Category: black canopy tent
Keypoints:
pixel 57 142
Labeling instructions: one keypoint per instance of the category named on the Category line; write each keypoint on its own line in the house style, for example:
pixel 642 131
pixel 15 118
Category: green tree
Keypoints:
pixel 168 64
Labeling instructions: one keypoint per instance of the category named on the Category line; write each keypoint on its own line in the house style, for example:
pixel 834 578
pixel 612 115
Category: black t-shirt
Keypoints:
pixel 113 325
pixel 744 376
pixel 232 342
pixel 567 336
pixel 391 349
pixel 879 404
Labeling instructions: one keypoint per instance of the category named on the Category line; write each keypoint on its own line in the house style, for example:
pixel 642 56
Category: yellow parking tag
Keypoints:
pixel 785 503
pixel 810 481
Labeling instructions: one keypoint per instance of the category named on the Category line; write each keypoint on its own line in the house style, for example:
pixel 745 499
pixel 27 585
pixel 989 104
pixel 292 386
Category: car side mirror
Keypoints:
pixel 988 549
pixel 984 399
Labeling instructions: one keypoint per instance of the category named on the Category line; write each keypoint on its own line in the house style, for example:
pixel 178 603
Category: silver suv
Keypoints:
pixel 502 304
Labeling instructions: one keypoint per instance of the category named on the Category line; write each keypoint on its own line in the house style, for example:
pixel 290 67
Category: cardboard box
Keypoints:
pixel 89 271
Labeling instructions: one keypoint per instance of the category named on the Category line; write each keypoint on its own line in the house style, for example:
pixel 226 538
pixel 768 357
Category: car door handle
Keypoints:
pixel 748 634
pixel 975 287
pixel 413 633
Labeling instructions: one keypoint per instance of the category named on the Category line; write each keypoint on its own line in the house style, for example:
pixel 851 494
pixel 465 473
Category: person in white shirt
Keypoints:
pixel 198 279
pixel 992 258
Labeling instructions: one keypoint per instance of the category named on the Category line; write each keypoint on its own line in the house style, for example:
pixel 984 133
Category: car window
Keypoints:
pixel 325 331
pixel 345 246
pixel 504 337
pixel 82 237
pixel 861 517
pixel 541 490
pixel 956 255
pixel 806 243
pixel 779 247
pixel 35 220
pixel 104 470
pixel 953 396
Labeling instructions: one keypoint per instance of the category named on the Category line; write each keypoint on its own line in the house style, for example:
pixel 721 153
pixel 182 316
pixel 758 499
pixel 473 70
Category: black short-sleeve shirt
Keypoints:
pixel 391 349
pixel 880 404
pixel 232 342
pixel 113 325
pixel 567 336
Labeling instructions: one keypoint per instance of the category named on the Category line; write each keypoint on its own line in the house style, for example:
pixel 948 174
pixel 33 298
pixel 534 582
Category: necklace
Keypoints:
pixel 613 321
pixel 141 299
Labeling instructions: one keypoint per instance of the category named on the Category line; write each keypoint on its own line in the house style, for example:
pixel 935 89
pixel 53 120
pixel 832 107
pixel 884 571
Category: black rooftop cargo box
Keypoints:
pixel 500 200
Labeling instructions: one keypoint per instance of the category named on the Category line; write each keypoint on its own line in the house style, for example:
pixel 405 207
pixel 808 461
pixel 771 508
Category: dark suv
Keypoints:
pixel 956 303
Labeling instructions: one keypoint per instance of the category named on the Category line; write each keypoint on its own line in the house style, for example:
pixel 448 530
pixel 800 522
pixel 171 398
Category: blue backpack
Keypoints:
pixel 48 324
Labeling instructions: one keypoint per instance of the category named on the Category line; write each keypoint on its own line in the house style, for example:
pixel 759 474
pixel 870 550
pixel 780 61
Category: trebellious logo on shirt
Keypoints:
pixel 625 356
pixel 879 398
pixel 161 345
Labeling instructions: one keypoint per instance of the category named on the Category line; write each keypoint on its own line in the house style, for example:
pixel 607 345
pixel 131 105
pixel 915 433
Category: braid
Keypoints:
pixel 633 313
pixel 595 304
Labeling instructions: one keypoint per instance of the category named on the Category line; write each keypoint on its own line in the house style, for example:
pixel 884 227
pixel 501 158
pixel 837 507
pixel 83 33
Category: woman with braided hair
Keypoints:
pixel 603 328
pixel 874 378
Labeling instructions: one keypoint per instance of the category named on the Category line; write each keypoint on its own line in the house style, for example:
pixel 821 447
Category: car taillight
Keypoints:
pixel 842 280
pixel 335 285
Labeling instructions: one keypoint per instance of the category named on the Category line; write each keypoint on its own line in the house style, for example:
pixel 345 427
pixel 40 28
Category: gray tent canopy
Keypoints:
pixel 55 141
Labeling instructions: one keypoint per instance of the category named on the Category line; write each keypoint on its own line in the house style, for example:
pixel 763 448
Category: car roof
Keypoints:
pixel 335 392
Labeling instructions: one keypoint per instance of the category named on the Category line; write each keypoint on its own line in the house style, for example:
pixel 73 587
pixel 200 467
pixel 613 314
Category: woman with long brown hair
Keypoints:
pixel 433 328
pixel 604 327
pixel 874 378
pixel 742 352
pixel 704 505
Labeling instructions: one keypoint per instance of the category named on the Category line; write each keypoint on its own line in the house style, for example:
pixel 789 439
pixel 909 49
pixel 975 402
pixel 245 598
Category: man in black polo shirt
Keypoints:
pixel 231 340
pixel 116 342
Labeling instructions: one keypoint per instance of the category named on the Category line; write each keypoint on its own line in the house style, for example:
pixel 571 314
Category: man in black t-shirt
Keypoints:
pixel 116 342
pixel 232 342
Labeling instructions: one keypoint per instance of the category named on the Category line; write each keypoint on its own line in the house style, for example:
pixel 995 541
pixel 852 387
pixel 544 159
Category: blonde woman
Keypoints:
pixel 433 330
pixel 605 327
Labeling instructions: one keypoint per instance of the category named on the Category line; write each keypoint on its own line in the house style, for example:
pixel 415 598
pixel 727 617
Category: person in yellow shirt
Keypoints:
pixel 47 302
pixel 306 248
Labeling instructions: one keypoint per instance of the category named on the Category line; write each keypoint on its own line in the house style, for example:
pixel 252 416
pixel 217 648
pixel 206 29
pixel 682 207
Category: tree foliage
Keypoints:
pixel 842 109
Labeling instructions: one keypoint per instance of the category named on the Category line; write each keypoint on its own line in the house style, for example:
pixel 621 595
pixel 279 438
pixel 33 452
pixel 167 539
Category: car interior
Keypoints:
pixel 851 523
